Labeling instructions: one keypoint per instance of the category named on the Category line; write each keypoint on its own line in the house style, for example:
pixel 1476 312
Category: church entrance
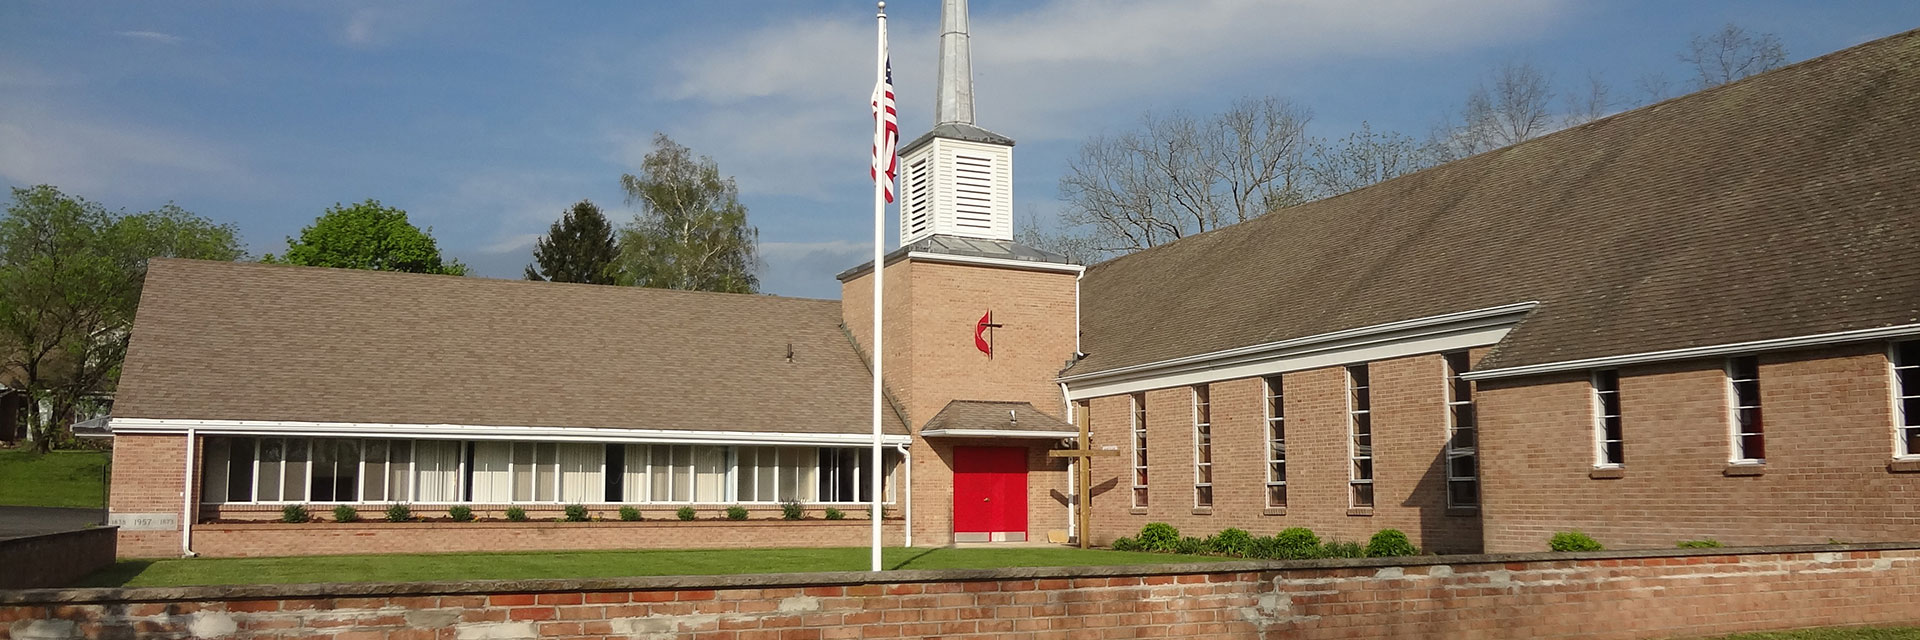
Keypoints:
pixel 989 494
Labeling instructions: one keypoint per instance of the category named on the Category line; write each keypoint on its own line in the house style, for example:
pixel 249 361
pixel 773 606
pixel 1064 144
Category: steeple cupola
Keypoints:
pixel 958 178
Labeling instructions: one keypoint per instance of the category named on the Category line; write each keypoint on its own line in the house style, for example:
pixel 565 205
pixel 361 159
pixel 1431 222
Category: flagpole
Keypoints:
pixel 879 257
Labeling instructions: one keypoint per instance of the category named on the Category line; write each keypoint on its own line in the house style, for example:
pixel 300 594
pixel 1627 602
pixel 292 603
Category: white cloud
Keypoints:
pixel 101 159
pixel 806 269
pixel 155 37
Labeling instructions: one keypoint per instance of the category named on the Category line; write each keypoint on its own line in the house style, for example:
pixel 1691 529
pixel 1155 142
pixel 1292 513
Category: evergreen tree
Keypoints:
pixel 367 236
pixel 579 247
pixel 692 231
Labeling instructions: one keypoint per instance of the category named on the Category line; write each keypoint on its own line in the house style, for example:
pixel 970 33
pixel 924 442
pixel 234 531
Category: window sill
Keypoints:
pixel 1203 511
pixel 1607 473
pixel 1903 465
pixel 1745 469
pixel 1360 511
pixel 1463 512
pixel 1137 511
pixel 1274 511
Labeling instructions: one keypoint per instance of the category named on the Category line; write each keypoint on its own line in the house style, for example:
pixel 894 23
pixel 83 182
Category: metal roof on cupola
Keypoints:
pixel 957 179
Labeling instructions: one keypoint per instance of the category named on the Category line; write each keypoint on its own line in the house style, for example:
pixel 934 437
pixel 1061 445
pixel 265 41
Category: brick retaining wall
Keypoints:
pixel 55 559
pixel 1592 595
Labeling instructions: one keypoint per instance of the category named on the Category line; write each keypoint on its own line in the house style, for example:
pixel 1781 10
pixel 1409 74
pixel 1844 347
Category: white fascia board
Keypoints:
pixel 1733 348
pixel 1027 265
pixel 995 433
pixel 477 432
pixel 1448 332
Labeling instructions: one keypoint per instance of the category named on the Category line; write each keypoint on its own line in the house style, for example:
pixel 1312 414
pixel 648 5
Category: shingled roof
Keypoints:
pixel 242 341
pixel 1787 204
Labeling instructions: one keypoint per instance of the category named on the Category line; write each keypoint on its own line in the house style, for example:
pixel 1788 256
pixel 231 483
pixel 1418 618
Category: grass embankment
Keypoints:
pixel 1833 633
pixel 56 479
pixel 592 564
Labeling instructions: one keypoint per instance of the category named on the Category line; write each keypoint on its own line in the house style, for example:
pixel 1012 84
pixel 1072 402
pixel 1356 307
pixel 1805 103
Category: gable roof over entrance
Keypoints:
pixel 242 341
pixel 1787 204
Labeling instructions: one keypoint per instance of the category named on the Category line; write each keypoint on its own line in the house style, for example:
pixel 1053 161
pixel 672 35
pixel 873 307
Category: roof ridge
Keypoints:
pixel 349 272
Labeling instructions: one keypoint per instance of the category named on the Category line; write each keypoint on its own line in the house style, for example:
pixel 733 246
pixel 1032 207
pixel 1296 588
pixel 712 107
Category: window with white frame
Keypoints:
pixel 1276 442
pixel 1360 442
pixel 1906 398
pixel 1463 460
pixel 1610 448
pixel 1749 439
pixel 1139 401
pixel 1202 447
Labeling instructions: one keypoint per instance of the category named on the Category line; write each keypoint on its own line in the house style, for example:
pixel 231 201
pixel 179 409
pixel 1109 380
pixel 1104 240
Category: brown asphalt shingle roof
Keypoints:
pixel 243 341
pixel 1011 417
pixel 1786 204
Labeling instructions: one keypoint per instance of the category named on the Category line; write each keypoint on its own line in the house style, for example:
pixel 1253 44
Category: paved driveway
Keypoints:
pixel 31 521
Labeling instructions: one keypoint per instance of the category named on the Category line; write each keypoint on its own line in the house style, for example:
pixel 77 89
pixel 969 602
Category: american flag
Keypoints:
pixel 886 136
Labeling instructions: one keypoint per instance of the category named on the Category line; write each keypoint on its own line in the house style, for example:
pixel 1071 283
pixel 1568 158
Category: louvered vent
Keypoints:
pixel 973 192
pixel 916 202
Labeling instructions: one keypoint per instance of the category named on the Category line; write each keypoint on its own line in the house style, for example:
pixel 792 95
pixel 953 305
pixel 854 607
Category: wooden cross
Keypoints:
pixel 1084 453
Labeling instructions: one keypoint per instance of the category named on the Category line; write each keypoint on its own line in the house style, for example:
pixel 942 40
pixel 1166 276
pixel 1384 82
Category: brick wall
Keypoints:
pixel 148 473
pixel 323 538
pixel 1409 435
pixel 1829 438
pixel 1605 595
pixel 54 559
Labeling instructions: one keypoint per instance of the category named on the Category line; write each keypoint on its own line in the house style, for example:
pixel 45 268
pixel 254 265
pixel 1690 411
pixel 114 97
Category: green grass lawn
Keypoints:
pixel 1833 633
pixel 591 564
pixel 57 479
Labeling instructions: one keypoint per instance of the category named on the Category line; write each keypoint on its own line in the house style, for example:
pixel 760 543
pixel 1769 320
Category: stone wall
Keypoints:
pixel 1593 595
pixel 54 559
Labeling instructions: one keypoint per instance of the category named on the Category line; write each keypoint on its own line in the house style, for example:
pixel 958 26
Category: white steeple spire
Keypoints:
pixel 955 103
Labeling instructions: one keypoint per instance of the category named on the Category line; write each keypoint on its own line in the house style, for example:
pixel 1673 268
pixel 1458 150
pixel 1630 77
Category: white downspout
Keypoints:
pixel 186 501
pixel 1073 471
pixel 906 496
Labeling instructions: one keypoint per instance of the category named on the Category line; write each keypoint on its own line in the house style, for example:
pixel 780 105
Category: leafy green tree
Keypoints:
pixel 692 231
pixel 70 280
pixel 367 236
pixel 579 247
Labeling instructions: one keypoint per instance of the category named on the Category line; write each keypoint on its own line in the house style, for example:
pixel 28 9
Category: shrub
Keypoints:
pixel 686 513
pixel 1704 543
pixel 736 512
pixel 576 513
pixel 344 513
pixel 1233 542
pixel 1296 543
pixel 629 514
pixel 1190 546
pixel 836 514
pixel 792 510
pixel 460 513
pixel 1124 543
pixel 516 514
pixel 1389 543
pixel 294 513
pixel 1338 549
pixel 1159 536
pixel 1573 541
pixel 399 513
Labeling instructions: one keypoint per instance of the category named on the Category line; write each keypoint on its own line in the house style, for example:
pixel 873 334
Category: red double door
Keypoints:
pixel 990 493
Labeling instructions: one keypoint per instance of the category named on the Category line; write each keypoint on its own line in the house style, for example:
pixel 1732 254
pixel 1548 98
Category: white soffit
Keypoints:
pixel 476 432
pixel 1734 348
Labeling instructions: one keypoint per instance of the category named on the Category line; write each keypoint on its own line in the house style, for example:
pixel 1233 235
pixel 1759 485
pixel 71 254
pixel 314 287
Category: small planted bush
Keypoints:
pixel 294 513
pixel 1159 536
pixel 576 513
pixel 1704 543
pixel 1190 546
pixel 686 513
pixel 629 514
pixel 1232 542
pixel 1124 543
pixel 344 513
pixel 1296 543
pixel 516 514
pixel 792 510
pixel 399 513
pixel 1573 541
pixel 736 512
pixel 1338 549
pixel 460 513
pixel 836 514
pixel 1389 543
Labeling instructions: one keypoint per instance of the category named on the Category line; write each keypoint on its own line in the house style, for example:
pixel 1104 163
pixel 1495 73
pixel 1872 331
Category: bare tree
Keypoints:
pixel 1511 106
pixel 1654 87
pixel 1592 103
pixel 1731 54
pixel 1364 158
pixel 1179 175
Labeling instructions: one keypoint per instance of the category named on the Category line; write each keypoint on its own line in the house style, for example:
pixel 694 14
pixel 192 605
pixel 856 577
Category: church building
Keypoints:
pixel 1697 319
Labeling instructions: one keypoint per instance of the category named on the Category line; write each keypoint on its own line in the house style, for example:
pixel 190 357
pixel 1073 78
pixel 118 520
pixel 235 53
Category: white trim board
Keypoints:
pixel 1433 334
pixel 1733 348
pixel 1028 265
pixel 996 433
pixel 478 432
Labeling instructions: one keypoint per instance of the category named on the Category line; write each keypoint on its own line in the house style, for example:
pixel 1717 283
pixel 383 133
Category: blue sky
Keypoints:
pixel 485 120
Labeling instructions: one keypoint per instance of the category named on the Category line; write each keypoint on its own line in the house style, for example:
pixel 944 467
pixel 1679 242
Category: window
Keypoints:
pixel 1906 397
pixel 1749 444
pixel 1463 460
pixel 1276 443
pixel 1139 449
pixel 1360 420
pixel 1610 448
pixel 1202 448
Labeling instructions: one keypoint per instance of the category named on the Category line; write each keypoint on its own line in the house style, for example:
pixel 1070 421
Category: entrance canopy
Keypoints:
pixel 975 418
